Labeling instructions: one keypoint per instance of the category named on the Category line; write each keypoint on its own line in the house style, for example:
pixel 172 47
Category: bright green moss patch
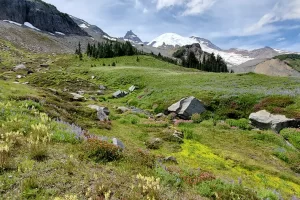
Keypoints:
pixel 196 155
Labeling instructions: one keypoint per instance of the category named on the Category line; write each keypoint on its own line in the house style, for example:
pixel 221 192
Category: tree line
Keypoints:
pixel 210 62
pixel 110 50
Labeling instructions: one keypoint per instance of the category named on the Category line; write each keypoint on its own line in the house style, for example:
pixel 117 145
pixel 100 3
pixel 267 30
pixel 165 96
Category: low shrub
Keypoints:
pixel 281 154
pixel 196 118
pixel 64 136
pixel 292 135
pixel 197 178
pixel 30 188
pixel 101 151
pixel 217 189
pixel 145 158
pixel 275 104
pixel 296 167
pixel 240 123
pixel 129 119
pixel 189 134
pixel 169 179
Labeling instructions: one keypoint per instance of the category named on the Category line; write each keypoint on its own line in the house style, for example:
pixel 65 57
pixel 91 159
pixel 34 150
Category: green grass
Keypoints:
pixel 244 163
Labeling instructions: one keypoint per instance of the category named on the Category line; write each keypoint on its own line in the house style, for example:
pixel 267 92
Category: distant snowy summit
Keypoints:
pixel 232 56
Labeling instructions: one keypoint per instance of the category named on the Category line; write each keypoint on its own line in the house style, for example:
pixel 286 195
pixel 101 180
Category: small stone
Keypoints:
pixel 19 67
pixel 171 159
pixel 44 65
pixel 123 109
pixel 118 143
pixel 77 97
pixel 160 115
pixel 100 92
pixel 119 94
pixel 102 87
pixel 132 88
pixel 19 76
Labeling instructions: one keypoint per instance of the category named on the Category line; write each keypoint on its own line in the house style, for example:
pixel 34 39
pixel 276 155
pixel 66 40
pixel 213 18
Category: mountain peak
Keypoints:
pixel 132 37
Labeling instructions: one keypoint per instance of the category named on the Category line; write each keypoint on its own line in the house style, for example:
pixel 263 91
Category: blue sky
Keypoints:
pixel 247 24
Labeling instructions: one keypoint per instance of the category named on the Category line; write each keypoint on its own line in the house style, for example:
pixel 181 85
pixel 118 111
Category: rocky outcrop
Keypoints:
pixel 130 36
pixel 40 14
pixel 184 52
pixel 186 107
pixel 265 120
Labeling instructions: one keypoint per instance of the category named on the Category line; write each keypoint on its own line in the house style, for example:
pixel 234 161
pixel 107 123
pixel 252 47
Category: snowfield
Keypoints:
pixel 59 33
pixel 173 39
pixel 27 24
pixel 12 22
pixel 83 26
pixel 109 38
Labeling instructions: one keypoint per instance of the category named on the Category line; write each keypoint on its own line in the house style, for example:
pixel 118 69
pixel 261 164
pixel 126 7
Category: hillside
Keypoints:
pixel 282 65
pixel 220 156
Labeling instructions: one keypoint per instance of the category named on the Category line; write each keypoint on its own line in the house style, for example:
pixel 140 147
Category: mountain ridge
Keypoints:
pixel 39 14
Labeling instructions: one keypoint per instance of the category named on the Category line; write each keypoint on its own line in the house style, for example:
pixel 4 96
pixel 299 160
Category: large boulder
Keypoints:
pixel 265 120
pixel 186 107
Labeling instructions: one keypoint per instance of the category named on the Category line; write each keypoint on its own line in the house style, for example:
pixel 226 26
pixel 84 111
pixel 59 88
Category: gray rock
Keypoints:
pixel 100 92
pixel 160 115
pixel 19 76
pixel 132 88
pixel 186 107
pixel 102 87
pixel 97 108
pixel 102 116
pixel 40 14
pixel 118 143
pixel 77 97
pixel 44 65
pixel 179 134
pixel 19 67
pixel 170 159
pixel 154 143
pixel 123 109
pixel 119 94
pixel 81 92
pixel 265 120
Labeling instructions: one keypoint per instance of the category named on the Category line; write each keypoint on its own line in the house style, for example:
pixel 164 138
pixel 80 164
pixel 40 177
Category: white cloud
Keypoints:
pixel 191 7
pixel 280 39
pixel 283 10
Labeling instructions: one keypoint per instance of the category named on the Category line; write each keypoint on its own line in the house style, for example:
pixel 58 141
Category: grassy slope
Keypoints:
pixel 293 60
pixel 234 155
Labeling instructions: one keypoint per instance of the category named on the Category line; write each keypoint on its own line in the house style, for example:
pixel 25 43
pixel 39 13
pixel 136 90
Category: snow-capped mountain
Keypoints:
pixel 175 40
pixel 232 56
pixel 131 37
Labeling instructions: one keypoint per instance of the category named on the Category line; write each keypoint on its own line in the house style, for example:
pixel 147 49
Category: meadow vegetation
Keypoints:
pixel 52 147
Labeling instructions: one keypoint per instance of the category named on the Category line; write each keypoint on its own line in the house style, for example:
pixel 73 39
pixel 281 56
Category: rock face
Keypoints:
pixel 40 14
pixel 186 107
pixel 265 120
